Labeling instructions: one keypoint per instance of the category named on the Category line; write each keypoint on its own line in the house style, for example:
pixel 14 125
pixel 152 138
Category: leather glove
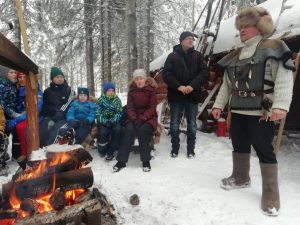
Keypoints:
pixel 11 124
pixel 73 123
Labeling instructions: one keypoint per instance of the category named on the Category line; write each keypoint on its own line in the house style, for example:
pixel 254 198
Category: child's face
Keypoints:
pixel 21 79
pixel 12 75
pixel 140 81
pixel 83 97
pixel 58 79
pixel 110 92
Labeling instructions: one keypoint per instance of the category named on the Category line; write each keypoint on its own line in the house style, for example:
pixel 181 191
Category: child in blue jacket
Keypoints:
pixel 109 118
pixel 81 115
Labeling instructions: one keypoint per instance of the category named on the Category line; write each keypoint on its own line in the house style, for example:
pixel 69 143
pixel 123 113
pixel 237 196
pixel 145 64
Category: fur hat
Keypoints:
pixel 139 73
pixel 108 85
pixel 256 16
pixel 55 71
pixel 82 90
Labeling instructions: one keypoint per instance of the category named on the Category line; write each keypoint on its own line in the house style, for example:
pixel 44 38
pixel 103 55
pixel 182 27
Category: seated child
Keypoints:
pixel 81 115
pixel 56 101
pixel 109 117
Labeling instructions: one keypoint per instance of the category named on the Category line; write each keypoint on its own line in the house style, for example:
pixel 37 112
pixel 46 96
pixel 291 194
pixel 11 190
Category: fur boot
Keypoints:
pixel 240 174
pixel 270 201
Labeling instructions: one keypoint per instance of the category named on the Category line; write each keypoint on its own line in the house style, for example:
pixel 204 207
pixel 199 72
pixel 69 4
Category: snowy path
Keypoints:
pixel 185 191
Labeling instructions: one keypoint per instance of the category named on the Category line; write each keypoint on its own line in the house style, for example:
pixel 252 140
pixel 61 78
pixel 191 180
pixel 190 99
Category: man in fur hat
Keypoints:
pixel 258 83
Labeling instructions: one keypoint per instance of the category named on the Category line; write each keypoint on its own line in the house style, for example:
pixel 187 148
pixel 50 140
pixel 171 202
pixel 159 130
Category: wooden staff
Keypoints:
pixel 31 101
pixel 282 121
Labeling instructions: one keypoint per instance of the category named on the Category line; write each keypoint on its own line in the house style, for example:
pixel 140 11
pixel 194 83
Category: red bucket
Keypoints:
pixel 222 127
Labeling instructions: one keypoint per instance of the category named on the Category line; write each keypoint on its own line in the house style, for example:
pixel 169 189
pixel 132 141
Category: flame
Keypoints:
pixel 43 202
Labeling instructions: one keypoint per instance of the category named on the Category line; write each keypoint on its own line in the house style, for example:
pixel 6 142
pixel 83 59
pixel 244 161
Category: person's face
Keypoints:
pixel 58 79
pixel 188 42
pixel 21 79
pixel 247 32
pixel 83 97
pixel 12 75
pixel 140 81
pixel 110 92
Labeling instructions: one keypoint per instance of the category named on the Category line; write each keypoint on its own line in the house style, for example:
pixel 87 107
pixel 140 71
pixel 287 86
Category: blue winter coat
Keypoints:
pixel 21 103
pixel 79 111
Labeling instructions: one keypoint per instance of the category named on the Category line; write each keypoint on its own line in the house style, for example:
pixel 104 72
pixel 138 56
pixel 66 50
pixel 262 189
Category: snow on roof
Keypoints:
pixel 159 61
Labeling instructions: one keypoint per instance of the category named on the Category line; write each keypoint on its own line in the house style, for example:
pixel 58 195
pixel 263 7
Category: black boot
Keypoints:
pixel 119 166
pixel 102 150
pixel 146 166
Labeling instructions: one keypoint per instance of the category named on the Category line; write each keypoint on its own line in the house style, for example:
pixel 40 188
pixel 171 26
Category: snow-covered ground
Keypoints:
pixel 185 191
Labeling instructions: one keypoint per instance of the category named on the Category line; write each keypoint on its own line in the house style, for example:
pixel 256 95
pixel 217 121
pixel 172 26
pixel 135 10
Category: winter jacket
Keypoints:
pixel 109 110
pixel 2 121
pixel 184 69
pixel 8 97
pixel 142 102
pixel 80 111
pixel 21 103
pixel 57 99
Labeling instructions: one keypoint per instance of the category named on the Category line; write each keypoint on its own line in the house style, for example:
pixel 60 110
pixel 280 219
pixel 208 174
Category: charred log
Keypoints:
pixel 8 214
pixel 29 206
pixel 88 212
pixel 58 200
pixel 75 179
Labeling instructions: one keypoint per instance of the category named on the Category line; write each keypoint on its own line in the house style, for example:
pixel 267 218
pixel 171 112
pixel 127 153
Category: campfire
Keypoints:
pixel 53 190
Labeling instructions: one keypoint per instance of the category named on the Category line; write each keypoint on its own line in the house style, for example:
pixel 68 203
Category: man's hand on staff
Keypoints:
pixel 216 113
pixel 278 114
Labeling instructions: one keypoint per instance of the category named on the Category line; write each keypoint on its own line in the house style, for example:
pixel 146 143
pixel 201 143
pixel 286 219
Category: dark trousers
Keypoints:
pixel 144 134
pixel 110 135
pixel 48 130
pixel 177 109
pixel 81 132
pixel 248 130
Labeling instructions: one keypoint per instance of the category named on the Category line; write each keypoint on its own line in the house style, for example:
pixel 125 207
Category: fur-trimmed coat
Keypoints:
pixel 142 102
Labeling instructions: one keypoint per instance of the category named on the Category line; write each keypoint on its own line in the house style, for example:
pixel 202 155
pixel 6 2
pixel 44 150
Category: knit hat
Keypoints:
pixel 3 71
pixel 186 34
pixel 82 90
pixel 19 73
pixel 108 85
pixel 139 73
pixel 255 16
pixel 55 71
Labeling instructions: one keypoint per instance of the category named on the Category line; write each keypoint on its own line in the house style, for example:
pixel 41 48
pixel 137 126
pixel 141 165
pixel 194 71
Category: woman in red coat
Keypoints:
pixel 141 119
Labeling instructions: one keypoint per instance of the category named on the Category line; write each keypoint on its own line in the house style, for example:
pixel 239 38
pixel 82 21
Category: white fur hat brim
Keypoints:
pixel 255 16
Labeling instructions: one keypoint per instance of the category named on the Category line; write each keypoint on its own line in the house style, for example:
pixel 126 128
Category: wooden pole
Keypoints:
pixel 31 101
pixel 282 121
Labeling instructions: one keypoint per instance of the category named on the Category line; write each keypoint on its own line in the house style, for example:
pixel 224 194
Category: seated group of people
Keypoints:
pixel 59 110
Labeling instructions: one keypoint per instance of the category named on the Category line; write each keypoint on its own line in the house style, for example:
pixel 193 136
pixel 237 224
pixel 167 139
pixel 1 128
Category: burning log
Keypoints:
pixel 85 196
pixel 77 151
pixel 88 212
pixel 8 214
pixel 76 179
pixel 58 200
pixel 29 206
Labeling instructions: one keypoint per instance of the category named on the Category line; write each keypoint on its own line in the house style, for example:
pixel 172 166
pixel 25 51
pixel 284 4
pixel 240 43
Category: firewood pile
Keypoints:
pixel 55 190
